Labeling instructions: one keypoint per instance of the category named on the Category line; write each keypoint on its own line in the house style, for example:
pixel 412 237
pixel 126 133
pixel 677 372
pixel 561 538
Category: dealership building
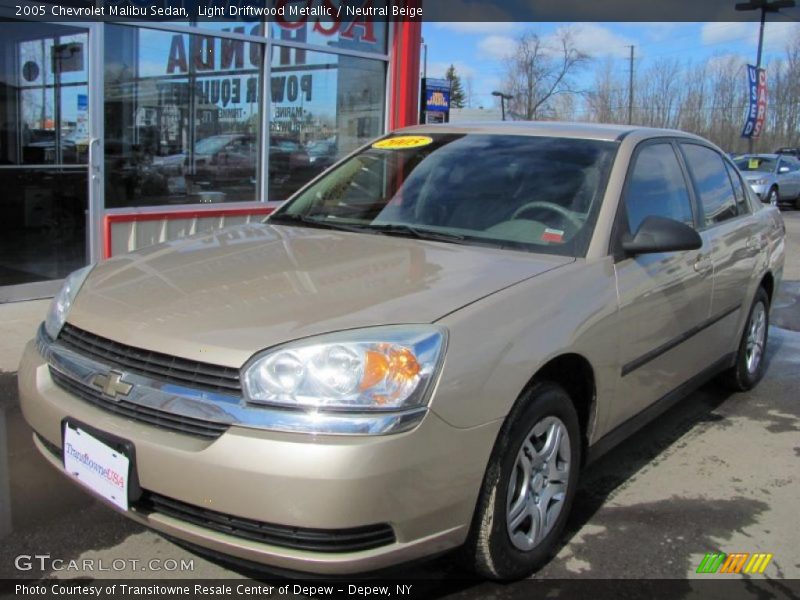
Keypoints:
pixel 115 136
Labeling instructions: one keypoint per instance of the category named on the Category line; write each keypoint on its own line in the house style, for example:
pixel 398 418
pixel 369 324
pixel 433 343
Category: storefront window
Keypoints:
pixel 44 143
pixel 182 117
pixel 323 107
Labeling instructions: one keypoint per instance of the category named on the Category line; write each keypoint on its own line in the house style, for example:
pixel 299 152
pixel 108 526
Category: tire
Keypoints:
pixel 772 196
pixel 750 365
pixel 511 481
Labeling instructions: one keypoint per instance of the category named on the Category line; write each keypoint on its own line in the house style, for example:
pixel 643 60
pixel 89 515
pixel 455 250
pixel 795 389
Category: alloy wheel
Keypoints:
pixel 538 486
pixel 756 337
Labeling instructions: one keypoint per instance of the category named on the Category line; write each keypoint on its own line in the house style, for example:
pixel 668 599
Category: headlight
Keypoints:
pixel 758 182
pixel 59 307
pixel 376 369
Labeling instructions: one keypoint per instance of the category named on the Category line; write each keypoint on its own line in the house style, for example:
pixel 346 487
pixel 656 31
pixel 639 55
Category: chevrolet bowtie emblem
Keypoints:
pixel 112 384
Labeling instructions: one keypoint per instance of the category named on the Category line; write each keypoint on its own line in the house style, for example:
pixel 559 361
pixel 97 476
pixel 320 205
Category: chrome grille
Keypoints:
pixel 136 412
pixel 224 380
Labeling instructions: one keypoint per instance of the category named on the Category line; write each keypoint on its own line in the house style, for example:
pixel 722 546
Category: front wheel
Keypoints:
pixel 772 197
pixel 528 488
pixel 750 357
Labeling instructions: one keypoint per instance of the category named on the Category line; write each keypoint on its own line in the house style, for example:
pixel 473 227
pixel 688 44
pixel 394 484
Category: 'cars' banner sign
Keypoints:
pixel 757 109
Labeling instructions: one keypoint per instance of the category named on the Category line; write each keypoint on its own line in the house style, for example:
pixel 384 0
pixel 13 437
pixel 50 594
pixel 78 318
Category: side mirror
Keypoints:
pixel 783 170
pixel 659 234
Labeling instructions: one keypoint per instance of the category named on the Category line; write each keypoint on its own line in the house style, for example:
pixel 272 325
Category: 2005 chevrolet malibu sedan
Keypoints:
pixel 419 351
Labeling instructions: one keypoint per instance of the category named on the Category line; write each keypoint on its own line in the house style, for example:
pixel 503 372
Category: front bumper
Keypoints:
pixel 423 483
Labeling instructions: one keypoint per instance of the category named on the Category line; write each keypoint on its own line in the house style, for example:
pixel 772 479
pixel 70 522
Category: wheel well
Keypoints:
pixel 768 283
pixel 574 373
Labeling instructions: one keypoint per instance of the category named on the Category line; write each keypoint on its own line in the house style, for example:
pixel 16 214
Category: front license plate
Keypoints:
pixel 96 465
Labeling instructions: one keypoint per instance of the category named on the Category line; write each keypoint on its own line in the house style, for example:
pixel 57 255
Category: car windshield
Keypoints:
pixel 538 194
pixel 756 163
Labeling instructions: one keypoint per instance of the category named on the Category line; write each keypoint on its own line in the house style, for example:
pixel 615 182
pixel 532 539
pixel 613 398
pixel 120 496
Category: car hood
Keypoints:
pixel 221 297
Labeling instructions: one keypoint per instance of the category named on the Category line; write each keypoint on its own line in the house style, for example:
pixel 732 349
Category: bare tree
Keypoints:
pixel 608 96
pixel 537 72
pixel 469 91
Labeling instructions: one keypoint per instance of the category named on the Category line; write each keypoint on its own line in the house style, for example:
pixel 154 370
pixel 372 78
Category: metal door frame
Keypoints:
pixel 95 167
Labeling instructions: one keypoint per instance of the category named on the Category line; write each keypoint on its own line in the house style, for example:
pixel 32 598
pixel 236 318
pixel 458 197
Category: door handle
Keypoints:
pixel 703 264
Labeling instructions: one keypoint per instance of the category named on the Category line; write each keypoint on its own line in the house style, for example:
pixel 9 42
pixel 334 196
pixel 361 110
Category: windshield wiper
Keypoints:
pixel 423 234
pixel 288 219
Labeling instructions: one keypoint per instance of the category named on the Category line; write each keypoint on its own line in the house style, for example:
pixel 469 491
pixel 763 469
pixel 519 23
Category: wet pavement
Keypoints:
pixel 718 472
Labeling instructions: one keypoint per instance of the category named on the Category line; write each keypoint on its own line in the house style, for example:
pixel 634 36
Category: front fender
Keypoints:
pixel 498 344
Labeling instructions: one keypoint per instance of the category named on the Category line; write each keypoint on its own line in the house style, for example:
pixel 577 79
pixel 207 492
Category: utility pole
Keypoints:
pixel 764 6
pixel 630 91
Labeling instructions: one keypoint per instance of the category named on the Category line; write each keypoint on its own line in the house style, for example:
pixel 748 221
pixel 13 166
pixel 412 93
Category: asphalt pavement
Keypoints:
pixel 718 472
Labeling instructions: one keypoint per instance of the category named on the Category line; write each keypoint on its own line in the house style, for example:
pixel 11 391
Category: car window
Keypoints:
pixel 738 189
pixel 521 192
pixel 755 163
pixel 712 182
pixel 792 164
pixel 657 187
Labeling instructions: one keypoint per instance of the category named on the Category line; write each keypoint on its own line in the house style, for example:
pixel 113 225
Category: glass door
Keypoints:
pixel 46 147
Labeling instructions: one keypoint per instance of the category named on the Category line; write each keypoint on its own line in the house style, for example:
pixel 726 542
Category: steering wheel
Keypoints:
pixel 551 207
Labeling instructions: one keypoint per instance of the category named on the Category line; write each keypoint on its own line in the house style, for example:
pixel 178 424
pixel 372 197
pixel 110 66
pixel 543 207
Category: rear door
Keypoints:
pixel 735 240
pixel 664 299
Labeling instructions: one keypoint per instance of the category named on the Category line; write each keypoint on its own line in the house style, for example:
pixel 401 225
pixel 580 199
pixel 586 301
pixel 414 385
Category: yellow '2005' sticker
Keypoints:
pixel 403 142
pixel 753 163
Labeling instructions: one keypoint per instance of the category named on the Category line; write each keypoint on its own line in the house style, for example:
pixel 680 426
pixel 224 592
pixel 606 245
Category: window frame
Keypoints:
pixel 267 41
pixel 733 171
pixel 621 229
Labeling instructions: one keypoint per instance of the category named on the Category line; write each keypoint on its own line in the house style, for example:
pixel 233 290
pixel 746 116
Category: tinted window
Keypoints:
pixel 792 164
pixel 738 189
pixel 756 163
pixel 657 187
pixel 512 191
pixel 713 183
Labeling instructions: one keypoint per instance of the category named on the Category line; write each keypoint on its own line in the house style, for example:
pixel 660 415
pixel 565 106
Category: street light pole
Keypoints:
pixel 764 6
pixel 503 97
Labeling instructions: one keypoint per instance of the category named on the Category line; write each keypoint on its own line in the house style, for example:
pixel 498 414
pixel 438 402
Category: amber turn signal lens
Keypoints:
pixel 389 362
pixel 375 369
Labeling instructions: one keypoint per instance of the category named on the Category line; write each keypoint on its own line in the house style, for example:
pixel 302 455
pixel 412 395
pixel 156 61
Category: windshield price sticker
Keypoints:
pixel 403 142
pixel 753 163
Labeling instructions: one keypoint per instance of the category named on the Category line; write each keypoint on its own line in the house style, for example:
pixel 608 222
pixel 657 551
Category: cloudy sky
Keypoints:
pixel 478 49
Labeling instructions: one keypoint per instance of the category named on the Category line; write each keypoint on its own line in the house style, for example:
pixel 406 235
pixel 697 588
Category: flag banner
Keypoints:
pixel 757 102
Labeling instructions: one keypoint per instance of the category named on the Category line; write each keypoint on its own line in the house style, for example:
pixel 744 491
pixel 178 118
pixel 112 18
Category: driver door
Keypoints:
pixel 663 298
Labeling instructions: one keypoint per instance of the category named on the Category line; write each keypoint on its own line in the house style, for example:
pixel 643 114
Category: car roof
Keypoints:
pixel 593 131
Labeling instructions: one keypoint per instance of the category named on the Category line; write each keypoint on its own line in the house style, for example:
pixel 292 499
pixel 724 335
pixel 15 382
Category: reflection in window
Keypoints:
pixel 360 33
pixel 657 188
pixel 324 106
pixel 181 117
pixel 713 184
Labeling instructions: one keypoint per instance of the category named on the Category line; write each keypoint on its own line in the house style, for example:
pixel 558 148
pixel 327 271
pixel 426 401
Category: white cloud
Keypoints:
pixel 776 34
pixel 497 46
pixel 591 38
pixel 475 27
pixel 595 40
